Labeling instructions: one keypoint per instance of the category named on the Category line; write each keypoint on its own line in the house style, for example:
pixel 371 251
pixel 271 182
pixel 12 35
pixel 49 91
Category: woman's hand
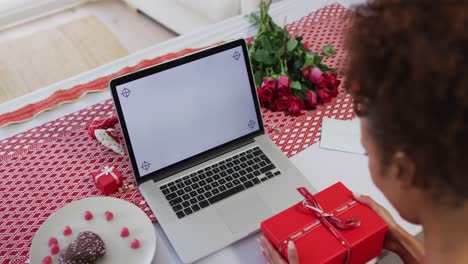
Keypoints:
pixel 390 242
pixel 274 257
pixel 396 239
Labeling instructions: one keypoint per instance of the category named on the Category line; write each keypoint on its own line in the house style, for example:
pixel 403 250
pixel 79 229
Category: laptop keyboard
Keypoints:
pixel 212 184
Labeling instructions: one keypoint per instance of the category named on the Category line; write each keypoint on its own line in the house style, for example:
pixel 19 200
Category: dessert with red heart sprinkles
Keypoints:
pixel 124 233
pixel 87 247
pixel 52 241
pixel 97 240
pixel 135 244
pixel 88 215
pixel 47 260
pixel 109 215
pixel 54 249
pixel 67 231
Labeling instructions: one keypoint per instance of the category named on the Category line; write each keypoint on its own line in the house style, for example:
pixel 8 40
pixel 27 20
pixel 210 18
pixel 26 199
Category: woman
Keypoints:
pixel 409 72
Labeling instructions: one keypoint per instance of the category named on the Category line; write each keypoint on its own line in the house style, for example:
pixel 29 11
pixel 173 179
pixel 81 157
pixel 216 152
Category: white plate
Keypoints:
pixel 118 249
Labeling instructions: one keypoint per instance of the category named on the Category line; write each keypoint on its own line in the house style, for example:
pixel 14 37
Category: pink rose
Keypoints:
pixel 326 83
pixel 295 106
pixel 314 75
pixel 267 82
pixel 311 99
pixel 282 103
pixel 283 86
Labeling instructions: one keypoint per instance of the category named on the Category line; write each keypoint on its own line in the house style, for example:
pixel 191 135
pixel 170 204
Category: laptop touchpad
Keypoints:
pixel 244 214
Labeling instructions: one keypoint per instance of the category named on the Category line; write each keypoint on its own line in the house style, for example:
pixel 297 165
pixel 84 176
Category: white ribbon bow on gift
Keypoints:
pixel 107 171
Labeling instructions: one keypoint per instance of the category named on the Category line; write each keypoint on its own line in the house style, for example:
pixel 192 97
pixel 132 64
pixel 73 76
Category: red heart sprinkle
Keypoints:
pixel 67 231
pixel 135 244
pixel 53 241
pixel 109 215
pixel 47 260
pixel 54 250
pixel 124 232
pixel 88 216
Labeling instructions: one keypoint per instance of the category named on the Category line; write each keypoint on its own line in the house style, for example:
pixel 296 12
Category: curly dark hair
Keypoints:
pixel 408 74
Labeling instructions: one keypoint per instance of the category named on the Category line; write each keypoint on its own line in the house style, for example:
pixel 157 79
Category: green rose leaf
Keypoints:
pixel 257 55
pixel 295 85
pixel 258 76
pixel 284 34
pixel 279 53
pixel 300 93
pixel 269 60
pixel 264 40
pixel 328 50
pixel 309 59
pixel 325 68
pixel 263 56
pixel 317 59
pixel 292 44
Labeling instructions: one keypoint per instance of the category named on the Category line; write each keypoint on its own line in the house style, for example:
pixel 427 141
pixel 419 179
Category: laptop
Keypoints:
pixel 195 137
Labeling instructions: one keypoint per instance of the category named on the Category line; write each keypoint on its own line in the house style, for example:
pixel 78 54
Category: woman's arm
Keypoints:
pixel 407 246
pixel 397 239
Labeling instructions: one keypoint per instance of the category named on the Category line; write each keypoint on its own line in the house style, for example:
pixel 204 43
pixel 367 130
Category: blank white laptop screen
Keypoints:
pixel 178 113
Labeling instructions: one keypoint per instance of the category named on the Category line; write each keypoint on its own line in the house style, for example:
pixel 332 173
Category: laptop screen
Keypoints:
pixel 177 113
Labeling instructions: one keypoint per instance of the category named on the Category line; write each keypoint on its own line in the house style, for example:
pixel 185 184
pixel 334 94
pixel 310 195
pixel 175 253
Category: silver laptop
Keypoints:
pixel 196 141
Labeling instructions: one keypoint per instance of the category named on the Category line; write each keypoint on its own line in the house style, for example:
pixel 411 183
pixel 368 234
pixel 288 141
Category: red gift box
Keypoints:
pixel 108 180
pixel 329 227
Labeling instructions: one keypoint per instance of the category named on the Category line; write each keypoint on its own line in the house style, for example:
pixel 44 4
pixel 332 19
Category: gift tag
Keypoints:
pixel 109 139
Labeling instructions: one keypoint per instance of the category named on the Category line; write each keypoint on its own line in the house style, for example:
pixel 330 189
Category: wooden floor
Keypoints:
pixel 51 55
pixel 135 31
pixel 122 30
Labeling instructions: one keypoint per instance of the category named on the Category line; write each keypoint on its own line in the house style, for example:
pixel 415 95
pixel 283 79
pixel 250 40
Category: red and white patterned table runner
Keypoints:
pixel 49 166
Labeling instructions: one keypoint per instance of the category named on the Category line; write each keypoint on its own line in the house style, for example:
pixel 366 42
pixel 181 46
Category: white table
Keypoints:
pixel 322 167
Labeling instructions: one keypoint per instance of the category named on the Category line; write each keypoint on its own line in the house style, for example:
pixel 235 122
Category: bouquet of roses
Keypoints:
pixel 292 78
